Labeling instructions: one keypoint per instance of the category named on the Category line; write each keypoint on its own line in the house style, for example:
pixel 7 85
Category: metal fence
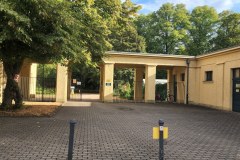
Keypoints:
pixel 38 89
pixel 82 92
pixel 124 91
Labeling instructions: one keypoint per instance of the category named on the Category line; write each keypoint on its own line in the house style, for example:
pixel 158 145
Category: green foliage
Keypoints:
pixel 124 74
pixel 49 31
pixel 228 33
pixel 166 29
pixel 109 10
pixel 124 36
pixel 46 70
pixel 161 91
pixel 87 74
pixel 174 30
pixel 204 23
pixel 52 30
pixel 126 91
pixel 124 82
pixel 40 90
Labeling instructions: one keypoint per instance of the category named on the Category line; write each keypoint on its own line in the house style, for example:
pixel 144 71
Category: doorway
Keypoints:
pixel 236 90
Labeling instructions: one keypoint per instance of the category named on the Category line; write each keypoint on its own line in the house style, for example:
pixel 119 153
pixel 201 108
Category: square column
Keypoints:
pixel 24 81
pixel 101 70
pixel 107 85
pixel 138 83
pixel 150 77
pixel 62 83
pixel 170 81
pixel 33 80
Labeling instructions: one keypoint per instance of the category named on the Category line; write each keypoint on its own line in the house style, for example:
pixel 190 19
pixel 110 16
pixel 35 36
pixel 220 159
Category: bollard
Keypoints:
pixel 71 139
pixel 161 150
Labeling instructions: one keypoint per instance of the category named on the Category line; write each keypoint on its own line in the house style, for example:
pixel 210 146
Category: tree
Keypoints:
pixel 143 25
pixel 204 23
pixel 228 33
pixel 47 31
pixel 124 36
pixel 166 29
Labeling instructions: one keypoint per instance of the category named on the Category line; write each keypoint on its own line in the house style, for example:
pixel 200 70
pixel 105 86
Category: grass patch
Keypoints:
pixel 33 111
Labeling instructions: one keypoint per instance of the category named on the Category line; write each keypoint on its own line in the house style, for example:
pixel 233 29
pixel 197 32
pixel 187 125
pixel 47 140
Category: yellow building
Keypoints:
pixel 212 80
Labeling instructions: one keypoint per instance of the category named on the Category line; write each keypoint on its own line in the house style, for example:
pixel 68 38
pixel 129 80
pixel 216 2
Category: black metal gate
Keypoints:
pixel 38 89
pixel 80 91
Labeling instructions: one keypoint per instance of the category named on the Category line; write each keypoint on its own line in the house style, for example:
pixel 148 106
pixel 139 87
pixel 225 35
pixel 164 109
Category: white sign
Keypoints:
pixel 161 128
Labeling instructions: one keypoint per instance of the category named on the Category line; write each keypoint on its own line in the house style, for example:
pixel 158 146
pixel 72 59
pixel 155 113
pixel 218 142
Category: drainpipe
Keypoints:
pixel 188 63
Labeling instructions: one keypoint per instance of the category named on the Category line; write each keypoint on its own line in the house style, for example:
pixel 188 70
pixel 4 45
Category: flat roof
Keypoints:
pixel 221 51
pixel 214 53
pixel 119 53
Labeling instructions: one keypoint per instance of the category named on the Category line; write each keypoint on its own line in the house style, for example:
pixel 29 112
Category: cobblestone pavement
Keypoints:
pixel 106 131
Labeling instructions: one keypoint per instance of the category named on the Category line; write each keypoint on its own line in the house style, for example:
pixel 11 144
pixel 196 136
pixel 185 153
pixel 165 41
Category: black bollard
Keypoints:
pixel 161 150
pixel 71 139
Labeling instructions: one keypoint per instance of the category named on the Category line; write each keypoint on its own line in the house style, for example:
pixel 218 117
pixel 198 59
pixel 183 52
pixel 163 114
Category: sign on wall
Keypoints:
pixel 108 84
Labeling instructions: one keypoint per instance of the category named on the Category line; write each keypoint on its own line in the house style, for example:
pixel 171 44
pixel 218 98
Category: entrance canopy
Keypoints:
pixel 126 59
pixel 142 63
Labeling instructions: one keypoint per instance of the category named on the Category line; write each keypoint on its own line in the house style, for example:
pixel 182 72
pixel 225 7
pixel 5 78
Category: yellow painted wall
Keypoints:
pixel 107 84
pixel 217 93
pixel 150 76
pixel 181 86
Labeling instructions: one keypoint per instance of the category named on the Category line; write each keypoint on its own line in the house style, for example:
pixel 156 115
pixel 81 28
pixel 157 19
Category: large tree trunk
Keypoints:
pixel 12 90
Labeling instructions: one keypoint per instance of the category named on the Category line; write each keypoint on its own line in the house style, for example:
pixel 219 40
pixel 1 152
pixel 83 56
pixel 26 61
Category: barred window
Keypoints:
pixel 209 75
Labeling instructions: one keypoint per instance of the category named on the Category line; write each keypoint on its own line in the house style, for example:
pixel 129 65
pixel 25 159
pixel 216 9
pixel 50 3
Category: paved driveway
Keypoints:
pixel 123 131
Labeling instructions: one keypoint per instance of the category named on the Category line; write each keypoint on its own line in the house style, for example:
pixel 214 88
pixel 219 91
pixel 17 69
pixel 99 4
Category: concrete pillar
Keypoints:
pixel 107 85
pixel 33 80
pixel 170 81
pixel 24 81
pixel 138 83
pixel 69 84
pixel 150 77
pixel 62 83
pixel 101 70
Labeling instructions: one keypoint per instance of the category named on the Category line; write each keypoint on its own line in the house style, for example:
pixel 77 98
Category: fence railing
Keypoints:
pixel 38 89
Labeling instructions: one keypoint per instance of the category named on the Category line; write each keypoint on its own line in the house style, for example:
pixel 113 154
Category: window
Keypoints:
pixel 183 77
pixel 236 73
pixel 208 75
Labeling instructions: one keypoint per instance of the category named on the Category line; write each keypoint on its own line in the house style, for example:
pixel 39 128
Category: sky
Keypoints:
pixel 220 5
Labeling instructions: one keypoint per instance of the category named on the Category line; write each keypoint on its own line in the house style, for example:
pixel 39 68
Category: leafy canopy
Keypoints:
pixel 166 29
pixel 51 30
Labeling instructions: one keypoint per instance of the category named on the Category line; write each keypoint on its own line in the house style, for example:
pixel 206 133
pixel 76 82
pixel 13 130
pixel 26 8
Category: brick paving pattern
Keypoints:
pixel 121 131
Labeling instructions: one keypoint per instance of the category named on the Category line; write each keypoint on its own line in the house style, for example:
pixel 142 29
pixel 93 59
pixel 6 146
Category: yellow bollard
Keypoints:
pixel 156 133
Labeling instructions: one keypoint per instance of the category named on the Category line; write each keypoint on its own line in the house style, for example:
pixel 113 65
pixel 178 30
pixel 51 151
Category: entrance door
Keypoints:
pixel 236 95
pixel 236 90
